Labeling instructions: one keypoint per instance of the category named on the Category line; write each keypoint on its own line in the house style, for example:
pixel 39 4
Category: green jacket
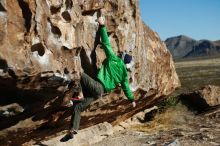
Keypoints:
pixel 113 70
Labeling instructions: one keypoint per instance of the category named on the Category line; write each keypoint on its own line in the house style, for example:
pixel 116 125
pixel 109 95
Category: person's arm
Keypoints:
pixel 128 93
pixel 127 90
pixel 105 40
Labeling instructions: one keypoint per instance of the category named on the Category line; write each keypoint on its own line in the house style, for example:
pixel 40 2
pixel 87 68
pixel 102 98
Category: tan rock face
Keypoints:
pixel 202 99
pixel 40 40
pixel 211 94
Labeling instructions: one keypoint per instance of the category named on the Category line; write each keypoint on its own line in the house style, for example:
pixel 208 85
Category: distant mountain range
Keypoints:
pixel 186 47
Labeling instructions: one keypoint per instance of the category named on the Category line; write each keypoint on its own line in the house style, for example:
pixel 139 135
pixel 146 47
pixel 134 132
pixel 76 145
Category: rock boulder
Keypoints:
pixel 43 43
pixel 200 100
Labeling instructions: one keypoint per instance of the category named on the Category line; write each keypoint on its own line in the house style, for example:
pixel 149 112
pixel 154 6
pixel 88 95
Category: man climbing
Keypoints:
pixel 112 72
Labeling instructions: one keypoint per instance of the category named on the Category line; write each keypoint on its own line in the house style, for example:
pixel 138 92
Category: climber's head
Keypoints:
pixel 128 60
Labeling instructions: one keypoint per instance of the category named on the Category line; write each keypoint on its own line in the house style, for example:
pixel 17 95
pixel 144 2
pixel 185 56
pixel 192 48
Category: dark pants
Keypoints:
pixel 92 90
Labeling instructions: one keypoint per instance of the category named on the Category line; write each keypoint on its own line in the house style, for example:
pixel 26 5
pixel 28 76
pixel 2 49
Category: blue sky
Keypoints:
pixel 199 19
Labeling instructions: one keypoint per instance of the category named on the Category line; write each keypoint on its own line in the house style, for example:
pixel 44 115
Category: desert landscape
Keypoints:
pixel 46 44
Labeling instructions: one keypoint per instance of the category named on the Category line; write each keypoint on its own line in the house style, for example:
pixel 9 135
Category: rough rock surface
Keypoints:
pixel 43 43
pixel 211 94
pixel 200 100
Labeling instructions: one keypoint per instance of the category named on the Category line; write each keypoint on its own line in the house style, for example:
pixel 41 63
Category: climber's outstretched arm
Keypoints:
pixel 105 40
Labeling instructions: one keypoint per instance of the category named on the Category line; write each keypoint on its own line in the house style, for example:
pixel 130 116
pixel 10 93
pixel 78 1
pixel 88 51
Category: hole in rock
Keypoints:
pixel 39 48
pixel 89 12
pixel 65 48
pixel 26 12
pixel 26 80
pixel 54 10
pixel 66 16
pixel 3 64
pixel 55 30
pixel 69 4
pixel 12 73
pixel 130 80
pixel 78 49
pixel 134 13
pixel 66 70
pixel 2 8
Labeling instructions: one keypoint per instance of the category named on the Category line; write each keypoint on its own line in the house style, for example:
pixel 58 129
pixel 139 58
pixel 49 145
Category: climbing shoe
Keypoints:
pixel 67 137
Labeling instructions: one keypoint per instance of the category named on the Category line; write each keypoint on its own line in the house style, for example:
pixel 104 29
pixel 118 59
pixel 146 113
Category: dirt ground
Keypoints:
pixel 176 125
pixel 195 74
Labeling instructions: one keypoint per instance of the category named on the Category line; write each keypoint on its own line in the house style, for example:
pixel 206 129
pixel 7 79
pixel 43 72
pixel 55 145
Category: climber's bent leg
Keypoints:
pixel 77 109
